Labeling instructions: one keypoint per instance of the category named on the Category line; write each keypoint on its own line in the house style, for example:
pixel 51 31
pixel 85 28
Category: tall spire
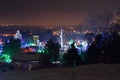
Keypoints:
pixel 61 38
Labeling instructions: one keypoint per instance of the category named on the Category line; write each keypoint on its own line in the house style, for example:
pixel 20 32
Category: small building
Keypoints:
pixel 27 61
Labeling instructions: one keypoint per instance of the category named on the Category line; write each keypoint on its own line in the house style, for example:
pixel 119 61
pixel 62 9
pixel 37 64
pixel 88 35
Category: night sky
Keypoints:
pixel 52 12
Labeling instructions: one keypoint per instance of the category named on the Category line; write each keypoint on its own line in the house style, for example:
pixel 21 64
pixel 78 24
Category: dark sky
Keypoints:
pixel 52 12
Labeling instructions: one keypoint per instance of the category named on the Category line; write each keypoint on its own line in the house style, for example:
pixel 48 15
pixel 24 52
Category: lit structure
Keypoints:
pixel 36 39
pixel 85 45
pixel 61 38
pixel 81 45
pixel 18 35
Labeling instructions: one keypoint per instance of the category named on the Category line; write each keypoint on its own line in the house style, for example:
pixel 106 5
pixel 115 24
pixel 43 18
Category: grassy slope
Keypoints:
pixel 83 72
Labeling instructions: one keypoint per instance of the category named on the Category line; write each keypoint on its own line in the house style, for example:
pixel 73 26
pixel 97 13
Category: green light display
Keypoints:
pixel 40 51
pixel 5 58
pixel 71 42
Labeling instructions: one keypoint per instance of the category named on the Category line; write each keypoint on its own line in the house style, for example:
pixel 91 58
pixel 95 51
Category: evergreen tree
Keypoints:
pixel 53 50
pixel 13 47
pixel 72 58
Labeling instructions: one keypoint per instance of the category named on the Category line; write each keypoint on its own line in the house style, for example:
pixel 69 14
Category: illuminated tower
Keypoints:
pixel 18 35
pixel 36 39
pixel 61 38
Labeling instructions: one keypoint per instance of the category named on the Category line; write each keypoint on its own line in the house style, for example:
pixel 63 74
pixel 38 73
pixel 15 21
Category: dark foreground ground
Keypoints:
pixel 83 72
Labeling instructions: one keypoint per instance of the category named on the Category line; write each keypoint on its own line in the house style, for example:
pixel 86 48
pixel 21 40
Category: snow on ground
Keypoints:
pixel 83 72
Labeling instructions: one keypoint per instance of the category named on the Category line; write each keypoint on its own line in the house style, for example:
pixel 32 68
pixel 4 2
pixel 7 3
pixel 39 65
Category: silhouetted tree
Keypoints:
pixel 105 48
pixel 53 50
pixel 72 58
pixel 92 53
pixel 111 53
